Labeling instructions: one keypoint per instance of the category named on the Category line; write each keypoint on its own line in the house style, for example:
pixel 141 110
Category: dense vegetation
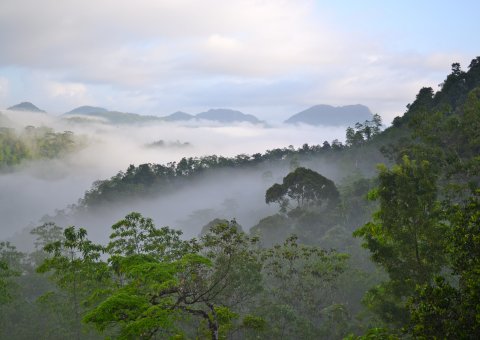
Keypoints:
pixel 34 143
pixel 417 216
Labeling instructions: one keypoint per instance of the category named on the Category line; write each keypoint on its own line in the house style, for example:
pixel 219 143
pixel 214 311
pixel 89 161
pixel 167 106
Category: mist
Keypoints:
pixel 38 188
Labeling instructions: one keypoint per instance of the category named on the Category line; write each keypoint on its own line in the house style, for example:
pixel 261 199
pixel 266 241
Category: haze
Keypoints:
pixel 37 188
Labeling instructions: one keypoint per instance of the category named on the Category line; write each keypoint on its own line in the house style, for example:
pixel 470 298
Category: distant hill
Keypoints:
pixel 227 116
pixel 178 116
pixel 85 113
pixel 113 117
pixel 331 115
pixel 87 110
pixel 216 115
pixel 25 106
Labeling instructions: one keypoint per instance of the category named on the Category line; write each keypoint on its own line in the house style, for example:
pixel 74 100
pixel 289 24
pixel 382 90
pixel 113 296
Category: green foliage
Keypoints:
pixel 405 236
pixel 138 235
pixel 451 308
pixel 147 282
pixel 356 205
pixel 376 333
pixel 363 132
pixel 75 267
pixel 428 246
pixel 34 143
pixel 10 267
pixel 220 286
pixel 215 222
pixel 151 179
pixel 305 187
pixel 300 290
pixel 165 282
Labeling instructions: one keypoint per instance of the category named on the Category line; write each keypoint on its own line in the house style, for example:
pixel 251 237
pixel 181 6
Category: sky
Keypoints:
pixel 270 58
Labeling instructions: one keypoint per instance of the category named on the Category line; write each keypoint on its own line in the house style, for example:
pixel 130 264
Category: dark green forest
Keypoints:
pixel 387 246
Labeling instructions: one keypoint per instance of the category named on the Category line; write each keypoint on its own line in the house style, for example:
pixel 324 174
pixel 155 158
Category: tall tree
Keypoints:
pixel 158 293
pixel 449 307
pixel 305 187
pixel 405 236
pixel 76 268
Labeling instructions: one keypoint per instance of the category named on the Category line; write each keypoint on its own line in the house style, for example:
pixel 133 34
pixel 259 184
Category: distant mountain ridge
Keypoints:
pixel 25 106
pixel 216 115
pixel 114 117
pixel 332 115
pixel 178 116
pixel 326 115
pixel 87 110
pixel 227 116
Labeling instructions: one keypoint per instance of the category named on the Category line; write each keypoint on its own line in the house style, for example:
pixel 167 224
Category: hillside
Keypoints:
pixel 403 263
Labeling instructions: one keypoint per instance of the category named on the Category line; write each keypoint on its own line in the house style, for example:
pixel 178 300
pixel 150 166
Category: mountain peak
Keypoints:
pixel 25 106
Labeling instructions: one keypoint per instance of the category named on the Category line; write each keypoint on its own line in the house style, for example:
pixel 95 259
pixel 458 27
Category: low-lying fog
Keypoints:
pixel 36 188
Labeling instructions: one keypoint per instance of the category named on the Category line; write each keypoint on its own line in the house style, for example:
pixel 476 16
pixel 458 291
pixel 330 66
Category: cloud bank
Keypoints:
pixel 271 58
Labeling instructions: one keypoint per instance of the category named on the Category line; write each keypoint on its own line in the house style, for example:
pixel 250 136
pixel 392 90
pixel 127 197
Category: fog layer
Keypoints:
pixel 36 188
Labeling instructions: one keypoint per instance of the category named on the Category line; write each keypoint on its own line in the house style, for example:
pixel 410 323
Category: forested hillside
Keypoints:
pixel 34 143
pixel 353 249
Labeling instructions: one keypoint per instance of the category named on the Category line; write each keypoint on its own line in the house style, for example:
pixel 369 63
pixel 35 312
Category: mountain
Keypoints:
pixel 178 116
pixel 87 110
pixel 227 116
pixel 25 106
pixel 112 117
pixel 331 115
pixel 217 115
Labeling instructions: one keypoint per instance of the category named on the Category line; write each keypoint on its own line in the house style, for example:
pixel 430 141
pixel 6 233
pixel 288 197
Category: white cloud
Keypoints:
pixel 72 90
pixel 139 42
pixel 161 56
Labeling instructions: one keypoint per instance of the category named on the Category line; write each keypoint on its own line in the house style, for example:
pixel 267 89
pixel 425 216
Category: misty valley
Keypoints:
pixel 219 225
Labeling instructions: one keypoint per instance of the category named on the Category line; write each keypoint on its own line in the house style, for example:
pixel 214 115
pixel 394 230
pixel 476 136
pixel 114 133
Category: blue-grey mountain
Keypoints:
pixel 113 117
pixel 87 110
pixel 332 115
pixel 216 115
pixel 178 116
pixel 227 116
pixel 25 106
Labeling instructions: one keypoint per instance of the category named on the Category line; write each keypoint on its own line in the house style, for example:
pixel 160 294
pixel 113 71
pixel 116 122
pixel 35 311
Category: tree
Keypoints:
pixel 136 235
pixel 299 298
pixel 305 187
pixel 76 268
pixel 353 138
pixel 213 223
pixel 405 236
pixel 363 132
pixel 47 233
pixel 10 267
pixel 449 307
pixel 158 293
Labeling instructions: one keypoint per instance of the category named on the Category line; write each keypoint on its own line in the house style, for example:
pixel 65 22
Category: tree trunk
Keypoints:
pixel 213 323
